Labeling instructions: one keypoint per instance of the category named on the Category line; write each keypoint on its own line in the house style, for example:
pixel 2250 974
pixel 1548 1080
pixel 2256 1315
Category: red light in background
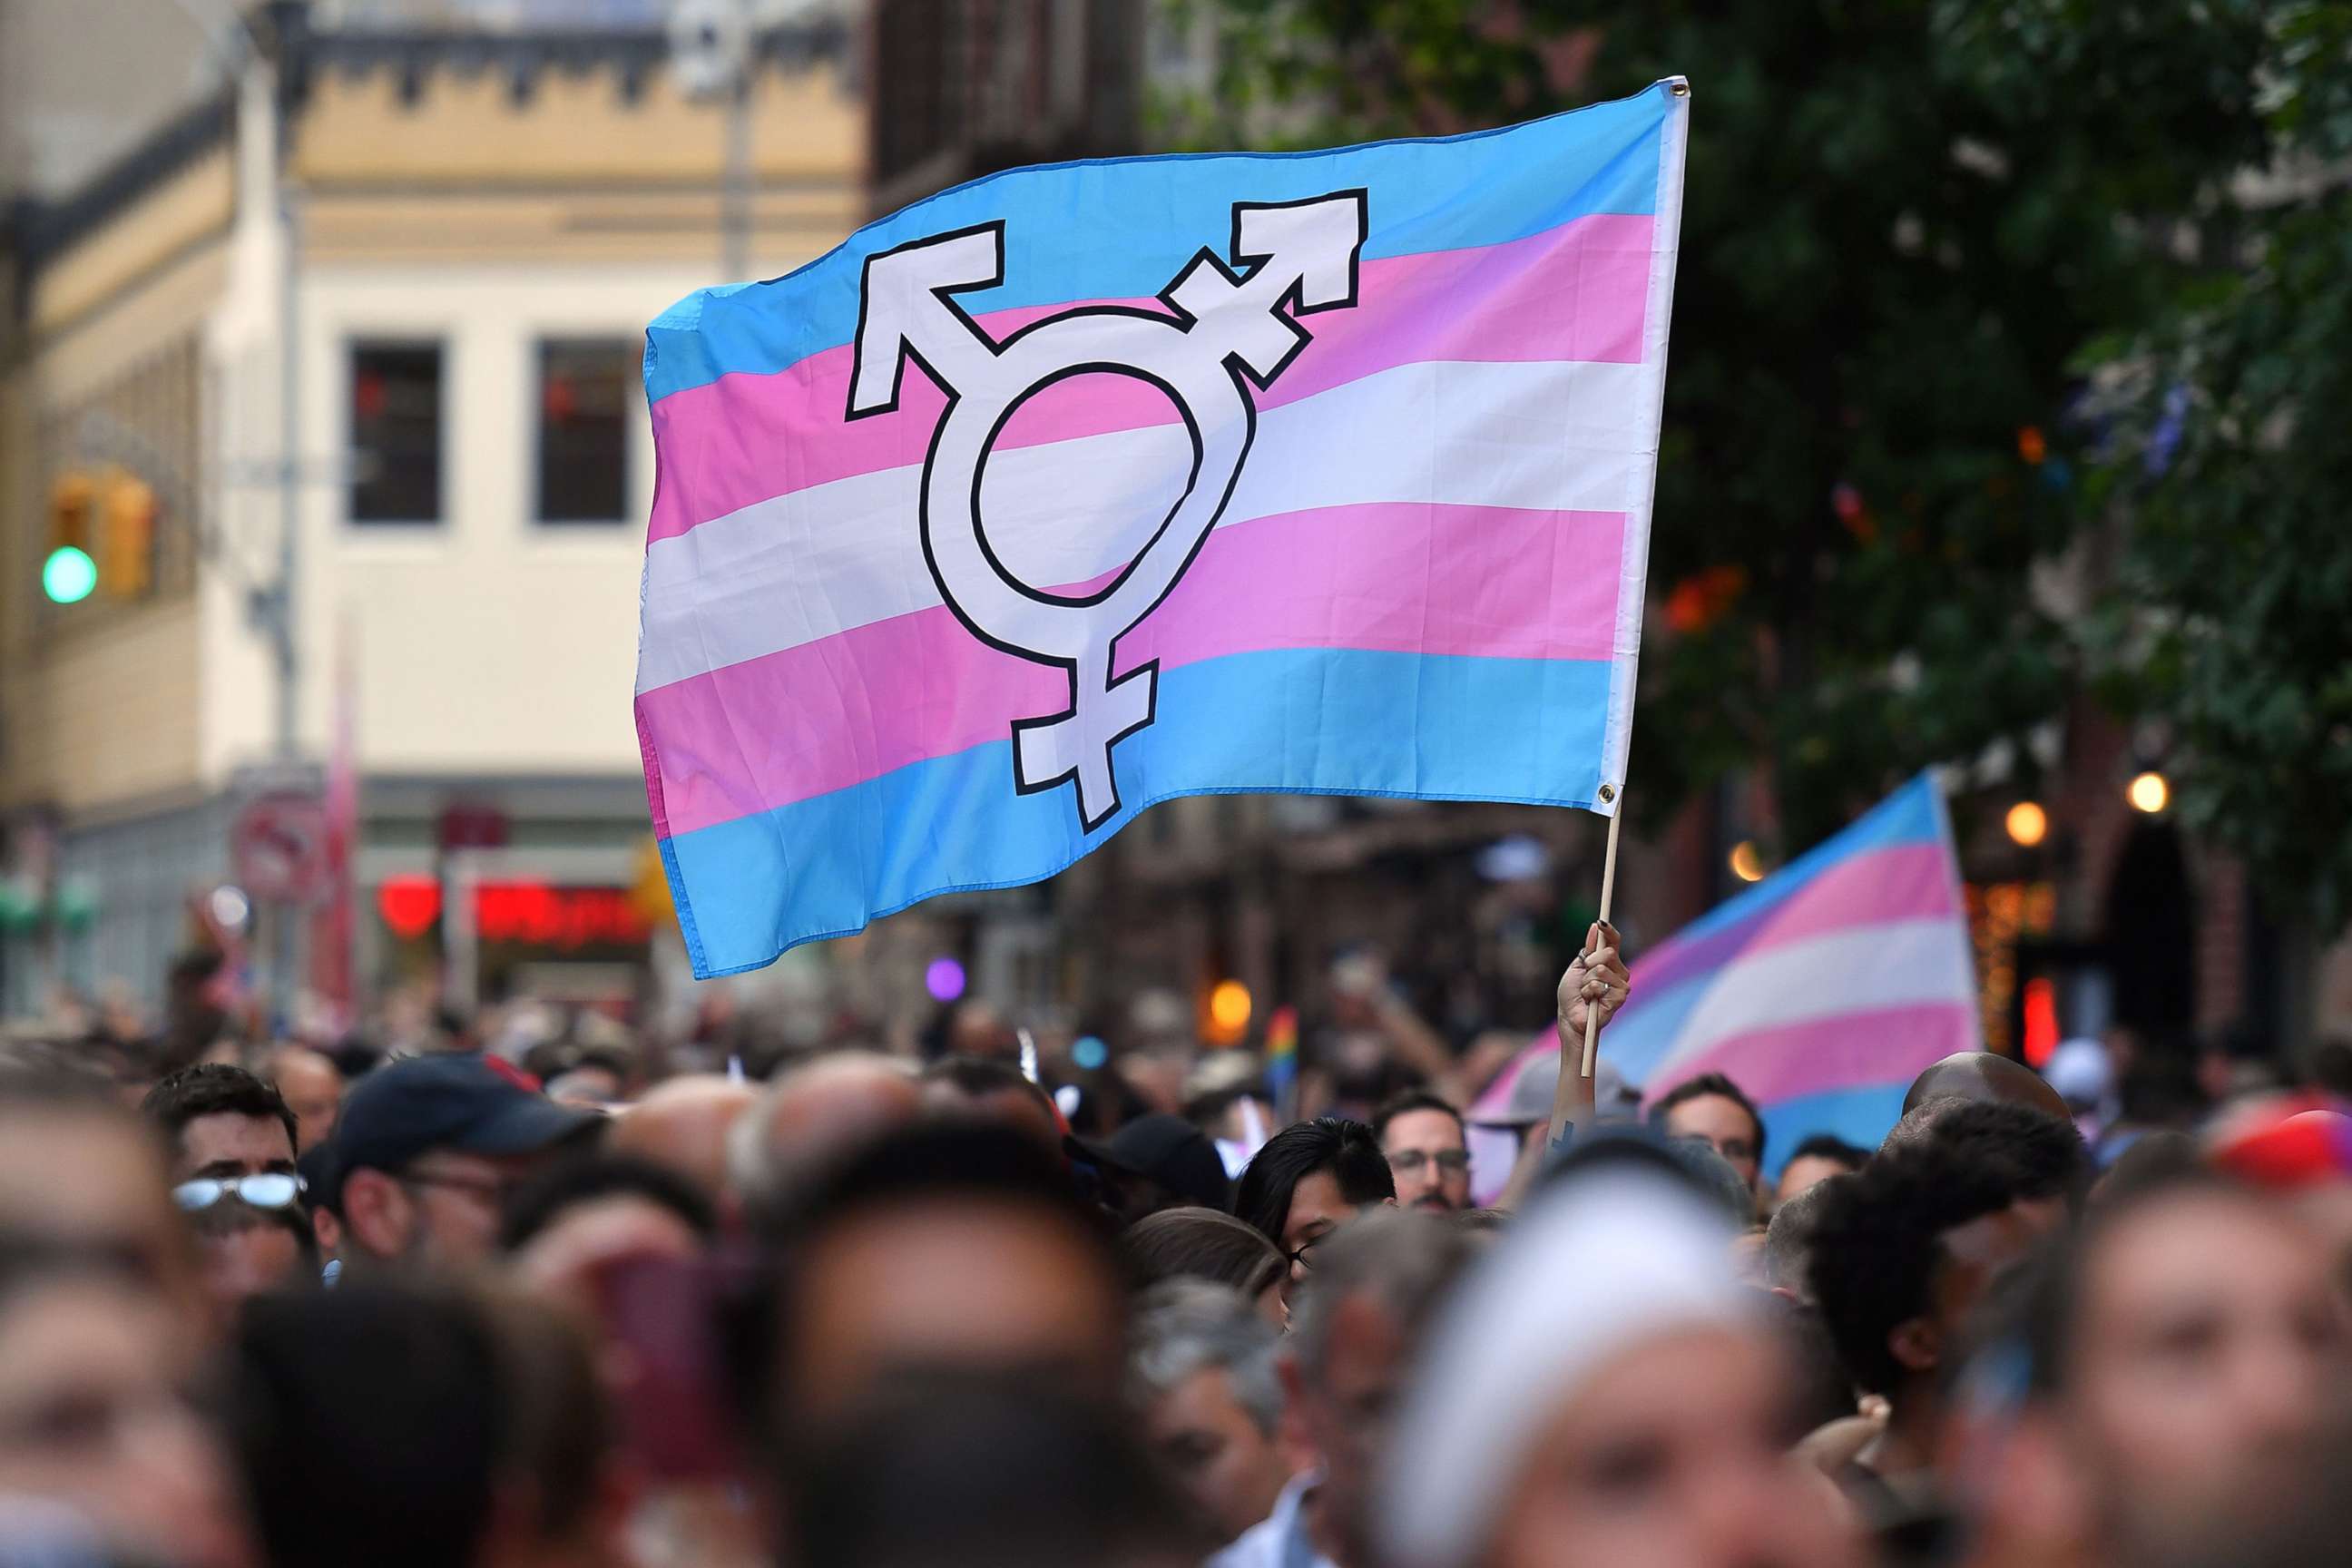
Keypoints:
pixel 527 912
pixel 2041 1022
pixel 409 905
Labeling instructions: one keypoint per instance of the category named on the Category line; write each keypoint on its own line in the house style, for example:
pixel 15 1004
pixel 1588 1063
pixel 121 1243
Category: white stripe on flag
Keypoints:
pixel 1554 436
pixel 1895 964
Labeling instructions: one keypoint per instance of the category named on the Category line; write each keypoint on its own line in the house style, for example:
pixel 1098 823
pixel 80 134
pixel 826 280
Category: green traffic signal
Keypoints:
pixel 68 575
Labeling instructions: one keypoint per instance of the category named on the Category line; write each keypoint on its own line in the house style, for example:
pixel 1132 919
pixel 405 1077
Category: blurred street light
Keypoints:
pixel 68 574
pixel 1747 864
pixel 2028 824
pixel 1229 1012
pixel 2148 793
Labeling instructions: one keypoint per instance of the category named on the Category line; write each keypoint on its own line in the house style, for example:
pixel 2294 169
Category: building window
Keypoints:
pixel 396 432
pixel 585 400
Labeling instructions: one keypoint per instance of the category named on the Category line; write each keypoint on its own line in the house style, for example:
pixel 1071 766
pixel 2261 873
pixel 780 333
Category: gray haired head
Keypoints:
pixel 1402 1262
pixel 1184 1327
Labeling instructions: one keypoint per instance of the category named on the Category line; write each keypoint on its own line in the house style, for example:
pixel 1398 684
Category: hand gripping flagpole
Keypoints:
pixel 1561 1094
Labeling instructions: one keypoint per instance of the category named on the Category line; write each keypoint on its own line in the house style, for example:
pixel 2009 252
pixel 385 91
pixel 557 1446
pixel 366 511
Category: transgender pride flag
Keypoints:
pixel 1821 991
pixel 1079 488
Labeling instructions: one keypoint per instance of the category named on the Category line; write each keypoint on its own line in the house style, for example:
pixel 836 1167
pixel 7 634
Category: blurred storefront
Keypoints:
pixel 467 215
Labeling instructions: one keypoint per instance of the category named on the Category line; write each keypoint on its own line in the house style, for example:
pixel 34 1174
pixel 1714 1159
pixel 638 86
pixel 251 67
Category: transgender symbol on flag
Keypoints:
pixel 1227 332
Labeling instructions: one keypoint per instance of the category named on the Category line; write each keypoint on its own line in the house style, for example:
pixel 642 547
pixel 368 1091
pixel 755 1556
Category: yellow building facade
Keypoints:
pixel 468 234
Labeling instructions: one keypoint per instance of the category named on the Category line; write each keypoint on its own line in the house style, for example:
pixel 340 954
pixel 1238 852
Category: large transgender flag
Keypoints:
pixel 1821 991
pixel 1079 488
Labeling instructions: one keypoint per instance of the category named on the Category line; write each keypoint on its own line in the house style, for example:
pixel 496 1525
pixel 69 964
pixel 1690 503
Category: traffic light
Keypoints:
pixel 68 572
pixel 126 555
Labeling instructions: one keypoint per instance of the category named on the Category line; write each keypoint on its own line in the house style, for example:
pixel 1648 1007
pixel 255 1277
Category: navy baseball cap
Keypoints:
pixel 464 1102
pixel 1167 1150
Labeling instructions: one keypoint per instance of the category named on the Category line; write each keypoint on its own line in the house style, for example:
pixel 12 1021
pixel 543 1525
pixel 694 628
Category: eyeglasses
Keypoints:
pixel 1409 1162
pixel 270 1190
pixel 1298 1259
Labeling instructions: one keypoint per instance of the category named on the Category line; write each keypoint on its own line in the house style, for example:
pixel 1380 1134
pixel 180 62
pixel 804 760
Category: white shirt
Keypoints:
pixel 1280 1538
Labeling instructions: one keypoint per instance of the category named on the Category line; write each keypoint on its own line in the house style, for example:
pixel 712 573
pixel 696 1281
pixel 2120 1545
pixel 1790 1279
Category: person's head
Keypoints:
pixel 1201 1375
pixel 243 1250
pixel 1356 1332
pixel 1308 1181
pixel 981 1472
pixel 1602 1391
pixel 80 1169
pixel 1816 1160
pixel 1157 1161
pixel 683 1124
pixel 2179 1362
pixel 1427 1150
pixel 557 1501
pixel 1202 1244
pixel 232 1138
pixel 1904 1251
pixel 368 1426
pixel 991 1089
pixel 1980 1075
pixel 811 1116
pixel 1788 1240
pixel 313 1089
pixel 1718 1113
pixel 948 1245
pixel 93 1362
pixel 582 1214
pixel 427 1152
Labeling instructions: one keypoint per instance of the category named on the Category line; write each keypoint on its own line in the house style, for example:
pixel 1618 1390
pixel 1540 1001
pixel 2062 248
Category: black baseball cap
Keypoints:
pixel 1167 1150
pixel 461 1100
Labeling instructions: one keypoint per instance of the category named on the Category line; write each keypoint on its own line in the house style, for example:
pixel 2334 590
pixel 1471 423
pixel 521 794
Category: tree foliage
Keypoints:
pixel 2223 442
pixel 1904 220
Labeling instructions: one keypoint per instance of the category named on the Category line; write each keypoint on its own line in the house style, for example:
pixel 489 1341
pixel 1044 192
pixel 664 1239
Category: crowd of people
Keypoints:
pixel 264 1306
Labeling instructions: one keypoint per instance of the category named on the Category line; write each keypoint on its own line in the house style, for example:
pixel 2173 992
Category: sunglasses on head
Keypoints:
pixel 270 1190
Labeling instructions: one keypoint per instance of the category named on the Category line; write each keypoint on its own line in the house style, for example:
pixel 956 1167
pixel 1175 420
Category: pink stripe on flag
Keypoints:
pixel 1577 292
pixel 1847 1051
pixel 1391 576
pixel 1906 881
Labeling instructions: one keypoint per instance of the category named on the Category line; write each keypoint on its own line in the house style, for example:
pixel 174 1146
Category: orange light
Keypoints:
pixel 2028 824
pixel 2030 445
pixel 1745 863
pixel 2041 1022
pixel 1229 1011
pixel 2148 793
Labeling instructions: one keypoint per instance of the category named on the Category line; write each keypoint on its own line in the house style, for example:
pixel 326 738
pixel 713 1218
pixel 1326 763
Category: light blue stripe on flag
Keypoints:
pixel 1323 722
pixel 1118 229
pixel 1862 1115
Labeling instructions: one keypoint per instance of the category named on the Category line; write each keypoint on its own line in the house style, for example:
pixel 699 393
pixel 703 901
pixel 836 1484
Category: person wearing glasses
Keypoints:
pixel 232 1139
pixel 1428 1153
pixel 426 1152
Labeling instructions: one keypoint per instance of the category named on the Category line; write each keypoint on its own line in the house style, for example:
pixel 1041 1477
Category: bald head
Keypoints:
pixel 1980 1075
pixel 682 1126
pixel 816 1113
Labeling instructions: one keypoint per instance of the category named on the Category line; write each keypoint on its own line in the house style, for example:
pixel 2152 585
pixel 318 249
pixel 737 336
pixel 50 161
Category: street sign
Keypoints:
pixel 277 846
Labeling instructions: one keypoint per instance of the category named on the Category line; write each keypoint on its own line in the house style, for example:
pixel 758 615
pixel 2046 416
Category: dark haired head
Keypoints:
pixel 1347 1150
pixel 1700 1087
pixel 1200 1244
pixel 1830 1147
pixel 977 1080
pixel 990 1259
pixel 1412 1099
pixel 333 1395
pixel 546 1198
pixel 1877 1242
pixel 213 1088
pixel 2037 1156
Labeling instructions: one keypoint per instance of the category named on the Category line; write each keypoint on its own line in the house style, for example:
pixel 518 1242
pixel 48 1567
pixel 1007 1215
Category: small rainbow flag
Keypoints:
pixel 1282 1062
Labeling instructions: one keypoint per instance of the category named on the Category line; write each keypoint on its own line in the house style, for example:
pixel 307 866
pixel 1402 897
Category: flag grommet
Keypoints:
pixel 1608 793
